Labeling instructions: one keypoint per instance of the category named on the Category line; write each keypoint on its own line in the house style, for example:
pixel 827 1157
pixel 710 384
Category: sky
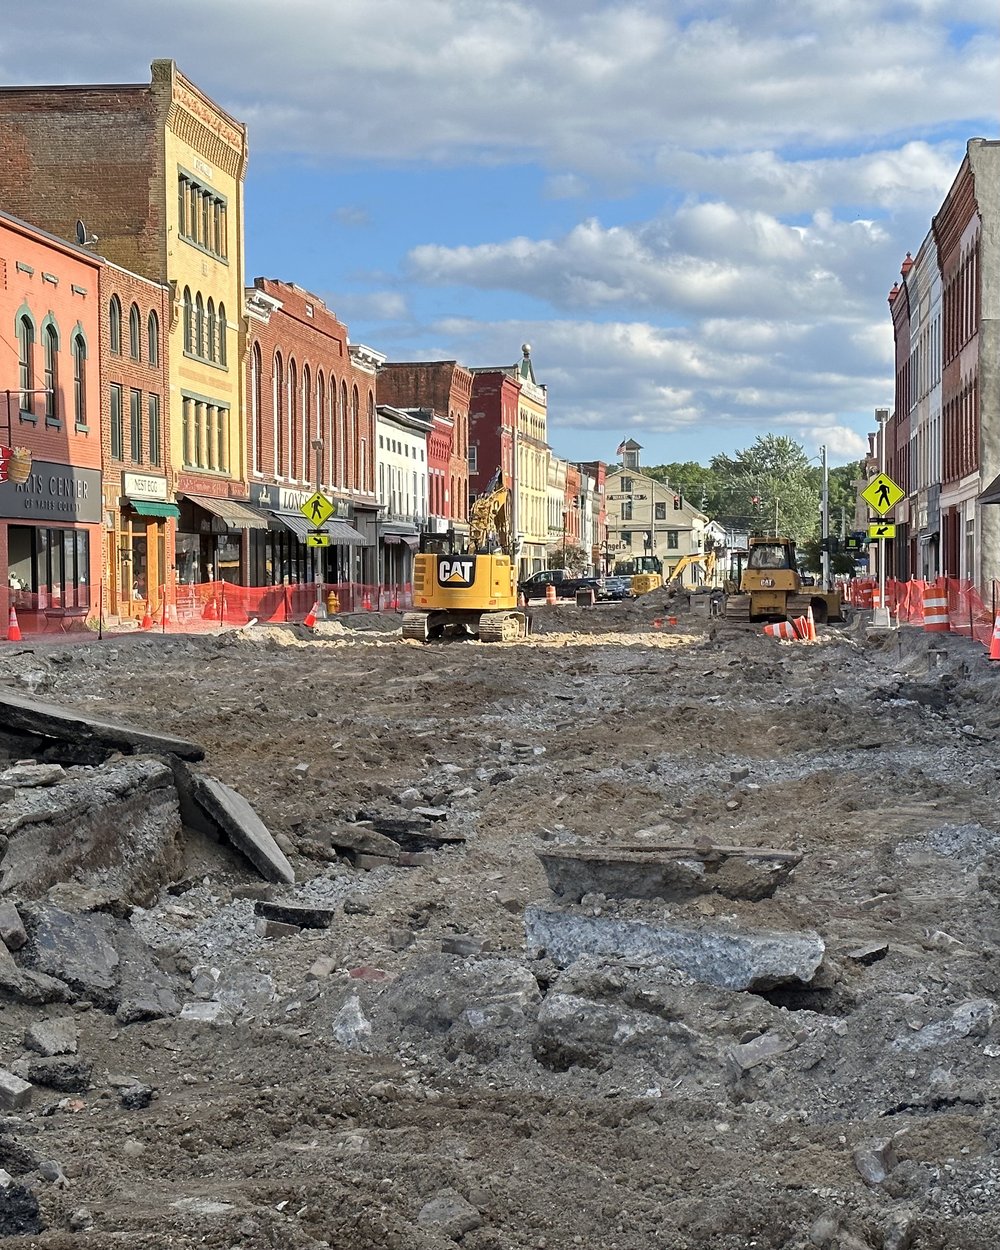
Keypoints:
pixel 692 211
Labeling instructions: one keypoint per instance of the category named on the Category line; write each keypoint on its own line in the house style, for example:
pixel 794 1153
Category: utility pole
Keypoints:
pixel 825 510
pixel 880 617
pixel 317 446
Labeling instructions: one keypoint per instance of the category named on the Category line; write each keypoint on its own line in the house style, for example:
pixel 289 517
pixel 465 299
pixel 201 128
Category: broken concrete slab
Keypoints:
pixel 218 810
pixel 27 774
pixel 29 986
pixel 302 915
pixel 970 1019
pixel 54 1036
pixel 14 1093
pixel 29 716
pixel 666 872
pixel 275 928
pixel 12 932
pixel 117 826
pixel 362 839
pixel 77 949
pixel 69 1076
pixel 724 956
pixel 410 834
pixel 760 1049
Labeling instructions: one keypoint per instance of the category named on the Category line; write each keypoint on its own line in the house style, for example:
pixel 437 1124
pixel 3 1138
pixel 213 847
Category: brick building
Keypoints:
pixel 445 388
pixel 50 523
pixel 155 171
pixel 305 385
pixel 138 474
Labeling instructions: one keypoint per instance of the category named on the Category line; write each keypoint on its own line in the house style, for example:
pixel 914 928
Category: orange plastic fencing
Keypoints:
pixel 971 612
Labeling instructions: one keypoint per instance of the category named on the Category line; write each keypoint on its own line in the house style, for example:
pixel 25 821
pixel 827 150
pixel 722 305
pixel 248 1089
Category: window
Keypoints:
pixel 201 216
pixel 293 420
pixel 199 325
pixel 673 537
pixel 115 325
pixel 135 425
pixel 626 509
pixel 256 416
pixel 153 339
pixel 51 336
pixel 660 511
pixel 222 335
pixel 117 434
pixel 306 419
pixel 80 380
pixel 54 562
pixel 155 434
pixel 211 334
pixel 188 321
pixel 627 537
pixel 134 333
pixel 627 485
pixel 26 361
pixel 278 404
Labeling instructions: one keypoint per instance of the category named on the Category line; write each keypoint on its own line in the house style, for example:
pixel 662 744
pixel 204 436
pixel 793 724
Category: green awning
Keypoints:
pixel 149 507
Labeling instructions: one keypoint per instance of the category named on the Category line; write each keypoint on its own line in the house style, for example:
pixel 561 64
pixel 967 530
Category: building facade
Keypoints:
pixel 647 518
pixel 401 462
pixel 51 521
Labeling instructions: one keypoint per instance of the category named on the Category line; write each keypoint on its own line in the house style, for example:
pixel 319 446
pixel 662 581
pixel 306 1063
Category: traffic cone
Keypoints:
pixel 13 629
pixel 781 629
pixel 366 602
pixel 657 623
pixel 210 613
pixel 994 641
pixel 310 620
pixel 550 594
pixel 810 621
pixel 801 628
pixel 522 600
pixel 147 618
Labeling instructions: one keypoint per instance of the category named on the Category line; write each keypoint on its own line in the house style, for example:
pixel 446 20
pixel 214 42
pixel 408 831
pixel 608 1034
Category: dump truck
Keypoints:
pixel 771 588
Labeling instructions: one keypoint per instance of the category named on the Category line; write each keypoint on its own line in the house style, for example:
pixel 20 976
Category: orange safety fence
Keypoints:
pixel 971 612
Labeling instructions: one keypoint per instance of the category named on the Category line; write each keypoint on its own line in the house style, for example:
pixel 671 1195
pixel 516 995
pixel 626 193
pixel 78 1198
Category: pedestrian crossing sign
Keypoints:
pixel 318 509
pixel 881 529
pixel 882 494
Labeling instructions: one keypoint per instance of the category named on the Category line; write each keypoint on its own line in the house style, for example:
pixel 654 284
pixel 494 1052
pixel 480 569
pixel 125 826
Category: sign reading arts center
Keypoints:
pixel 59 494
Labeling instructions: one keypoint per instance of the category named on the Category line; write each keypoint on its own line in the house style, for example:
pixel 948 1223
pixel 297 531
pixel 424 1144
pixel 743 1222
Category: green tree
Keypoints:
pixel 770 486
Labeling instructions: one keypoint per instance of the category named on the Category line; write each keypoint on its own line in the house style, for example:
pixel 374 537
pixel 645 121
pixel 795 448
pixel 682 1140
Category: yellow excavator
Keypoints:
pixel 646 573
pixel 469 589
pixel 771 587
pixel 703 566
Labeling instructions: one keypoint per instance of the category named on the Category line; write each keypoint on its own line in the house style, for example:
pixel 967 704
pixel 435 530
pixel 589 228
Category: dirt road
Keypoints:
pixel 424 1072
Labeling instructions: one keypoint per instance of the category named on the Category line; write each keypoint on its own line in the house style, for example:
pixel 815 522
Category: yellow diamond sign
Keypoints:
pixel 317 509
pixel 882 494
pixel 881 529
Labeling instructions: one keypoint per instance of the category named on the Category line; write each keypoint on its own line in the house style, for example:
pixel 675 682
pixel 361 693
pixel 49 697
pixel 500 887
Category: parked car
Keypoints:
pixel 568 587
pixel 618 587
pixel 535 586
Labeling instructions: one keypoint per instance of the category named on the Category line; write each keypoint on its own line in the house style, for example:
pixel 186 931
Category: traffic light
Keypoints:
pixel 677 503
pixel 755 501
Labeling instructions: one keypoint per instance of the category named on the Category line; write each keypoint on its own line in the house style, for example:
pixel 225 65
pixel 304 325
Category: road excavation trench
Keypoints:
pixel 783 1035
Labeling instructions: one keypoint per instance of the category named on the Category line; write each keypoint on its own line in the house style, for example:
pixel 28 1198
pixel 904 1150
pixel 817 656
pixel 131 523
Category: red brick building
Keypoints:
pixel 50 523
pixel 139 479
pixel 492 427
pixel 897 450
pixel 306 384
pixel 445 388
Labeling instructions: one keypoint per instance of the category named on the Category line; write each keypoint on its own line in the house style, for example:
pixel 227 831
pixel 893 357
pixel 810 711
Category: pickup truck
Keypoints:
pixel 534 587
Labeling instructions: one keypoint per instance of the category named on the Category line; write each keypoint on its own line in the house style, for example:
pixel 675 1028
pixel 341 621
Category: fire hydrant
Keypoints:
pixel 332 603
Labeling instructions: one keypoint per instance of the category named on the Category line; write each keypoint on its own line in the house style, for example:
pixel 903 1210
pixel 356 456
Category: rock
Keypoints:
pixel 30 716
pixel 739 774
pixel 16 1157
pixel 875 1160
pixel 80 1220
pixel 14 1093
pixel 67 1075
pixel 449 1212
pixel 321 968
pixel 868 952
pixel 12 931
pixel 399 939
pixel 5 1179
pixel 252 890
pixel 54 1036
pixel 136 1097
pixel 155 1005
pixel 51 1171
pixel 728 957
pixel 368 863
pixel 357 907
pixel 415 859
pixel 77 950
pixel 351 1027
pixel 900 1230
pixel 511 903
pixel 24 775
pixel 217 809
pixel 412 833
pixel 19 1214
pixel 431 813
pixel 363 840
pixel 301 914
pixel 970 1019
pixel 206 1013
pixel 275 928
pixel 760 1050
pixel 462 944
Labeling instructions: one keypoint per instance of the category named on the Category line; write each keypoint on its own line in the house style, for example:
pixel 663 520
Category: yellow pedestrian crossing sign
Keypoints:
pixel 881 529
pixel 318 509
pixel 319 539
pixel 882 494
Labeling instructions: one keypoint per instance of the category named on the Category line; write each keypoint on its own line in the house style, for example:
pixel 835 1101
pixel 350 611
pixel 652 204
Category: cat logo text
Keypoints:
pixel 456 570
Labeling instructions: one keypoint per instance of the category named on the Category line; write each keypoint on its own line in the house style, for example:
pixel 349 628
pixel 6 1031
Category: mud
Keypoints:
pixel 421 1073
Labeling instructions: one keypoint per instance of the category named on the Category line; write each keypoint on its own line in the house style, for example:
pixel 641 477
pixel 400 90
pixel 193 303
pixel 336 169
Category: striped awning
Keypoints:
pixel 236 516
pixel 341 534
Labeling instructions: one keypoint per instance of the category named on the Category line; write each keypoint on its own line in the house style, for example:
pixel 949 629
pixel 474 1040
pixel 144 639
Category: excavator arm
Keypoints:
pixel 491 525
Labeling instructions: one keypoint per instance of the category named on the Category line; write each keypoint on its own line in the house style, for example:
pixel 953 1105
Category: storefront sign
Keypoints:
pixel 54 493
pixel 144 486
pixel 286 499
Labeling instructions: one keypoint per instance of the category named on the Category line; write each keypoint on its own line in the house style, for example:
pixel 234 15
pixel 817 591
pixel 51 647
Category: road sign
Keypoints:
pixel 881 529
pixel 882 494
pixel 318 509
pixel 318 540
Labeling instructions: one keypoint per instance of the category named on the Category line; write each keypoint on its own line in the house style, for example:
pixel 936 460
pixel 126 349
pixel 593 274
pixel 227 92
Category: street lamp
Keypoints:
pixel 880 617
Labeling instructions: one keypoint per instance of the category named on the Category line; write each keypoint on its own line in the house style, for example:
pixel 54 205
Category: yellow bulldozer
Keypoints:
pixel 469 589
pixel 772 589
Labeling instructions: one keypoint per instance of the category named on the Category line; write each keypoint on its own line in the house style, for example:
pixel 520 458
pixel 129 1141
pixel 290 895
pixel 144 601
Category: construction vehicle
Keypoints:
pixel 703 566
pixel 646 573
pixel 772 589
pixel 469 588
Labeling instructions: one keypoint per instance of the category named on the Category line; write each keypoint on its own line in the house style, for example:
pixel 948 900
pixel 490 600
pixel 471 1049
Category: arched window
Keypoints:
pixel 210 332
pixel 199 325
pixel 279 414
pixel 256 416
pixel 342 436
pixel 365 484
pixel 153 339
pixel 293 419
pixel 26 360
pixel 222 334
pixel 352 441
pixel 80 379
pixel 306 422
pixel 188 321
pixel 322 430
pixel 51 344
pixel 115 325
pixel 134 333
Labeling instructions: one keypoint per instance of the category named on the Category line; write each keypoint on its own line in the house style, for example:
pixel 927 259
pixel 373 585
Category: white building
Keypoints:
pixel 401 481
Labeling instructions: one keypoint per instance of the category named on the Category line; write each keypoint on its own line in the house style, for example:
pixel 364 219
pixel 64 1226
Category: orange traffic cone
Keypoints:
pixel 811 623
pixel 147 618
pixel 13 629
pixel 550 594
pixel 310 620
pixel 801 627
pixel 366 603
pixel 657 623
pixel 994 641
pixel 522 600
pixel 209 614
pixel 781 629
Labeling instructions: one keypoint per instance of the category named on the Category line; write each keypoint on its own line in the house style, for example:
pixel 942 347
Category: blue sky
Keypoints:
pixel 692 211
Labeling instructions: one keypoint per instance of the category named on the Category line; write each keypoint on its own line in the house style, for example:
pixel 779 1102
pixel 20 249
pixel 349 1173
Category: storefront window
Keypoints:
pixel 52 563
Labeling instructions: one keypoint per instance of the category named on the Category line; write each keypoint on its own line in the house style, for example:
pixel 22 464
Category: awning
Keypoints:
pixel 410 540
pixel 235 515
pixel 150 507
pixel 341 534
pixel 992 492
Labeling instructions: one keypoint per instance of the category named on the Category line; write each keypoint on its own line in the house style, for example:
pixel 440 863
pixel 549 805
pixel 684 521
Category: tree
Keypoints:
pixel 569 557
pixel 772 485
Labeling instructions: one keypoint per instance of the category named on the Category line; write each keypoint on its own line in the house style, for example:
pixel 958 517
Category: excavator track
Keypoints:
pixel 415 626
pixel 502 626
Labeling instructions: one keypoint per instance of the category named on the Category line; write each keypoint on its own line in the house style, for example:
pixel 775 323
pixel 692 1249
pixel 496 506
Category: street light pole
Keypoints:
pixel 880 617
pixel 825 506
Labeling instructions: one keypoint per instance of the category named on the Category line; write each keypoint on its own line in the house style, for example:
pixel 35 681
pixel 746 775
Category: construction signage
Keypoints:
pixel 881 529
pixel 882 494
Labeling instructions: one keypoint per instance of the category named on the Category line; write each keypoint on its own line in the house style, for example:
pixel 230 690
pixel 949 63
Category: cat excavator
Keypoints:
pixel 469 588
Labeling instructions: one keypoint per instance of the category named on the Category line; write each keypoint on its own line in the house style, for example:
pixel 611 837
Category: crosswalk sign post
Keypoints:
pixel 882 494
